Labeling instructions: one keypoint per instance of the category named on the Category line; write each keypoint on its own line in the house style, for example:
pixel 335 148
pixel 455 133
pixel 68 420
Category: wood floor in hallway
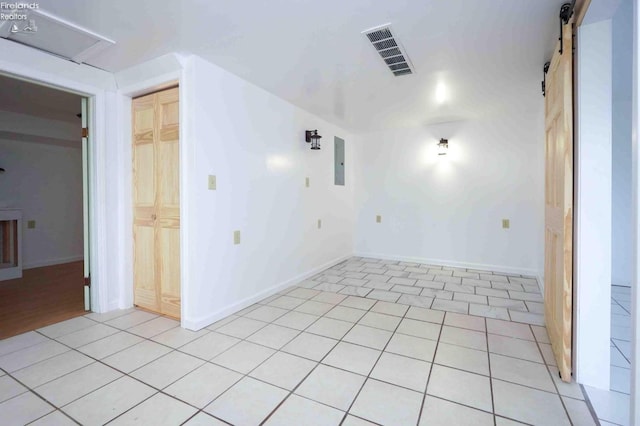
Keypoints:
pixel 41 297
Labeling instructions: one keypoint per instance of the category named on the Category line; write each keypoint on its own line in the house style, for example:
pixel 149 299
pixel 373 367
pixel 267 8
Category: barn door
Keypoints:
pixel 558 249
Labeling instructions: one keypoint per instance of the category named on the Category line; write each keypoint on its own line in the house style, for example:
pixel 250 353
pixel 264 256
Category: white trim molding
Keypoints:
pixel 32 65
pixel 202 322
pixel 132 85
pixel 51 262
pixel 529 273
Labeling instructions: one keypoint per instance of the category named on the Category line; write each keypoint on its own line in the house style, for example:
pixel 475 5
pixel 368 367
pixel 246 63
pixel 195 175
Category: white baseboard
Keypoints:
pixel 453 263
pixel 199 323
pixel 540 279
pixel 114 305
pixel 10 273
pixel 51 262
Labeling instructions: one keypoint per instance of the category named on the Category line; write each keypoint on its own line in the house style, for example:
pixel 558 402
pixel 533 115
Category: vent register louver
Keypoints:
pixel 389 49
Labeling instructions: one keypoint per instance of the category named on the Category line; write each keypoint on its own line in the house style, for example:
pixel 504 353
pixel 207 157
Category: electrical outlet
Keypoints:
pixel 236 237
pixel 212 182
pixel 31 224
pixel 378 219
pixel 319 223
pixel 306 182
pixel 505 223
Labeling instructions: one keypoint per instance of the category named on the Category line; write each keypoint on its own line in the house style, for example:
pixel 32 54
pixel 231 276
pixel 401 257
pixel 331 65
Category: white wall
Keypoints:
pixel 593 205
pixel 45 182
pixel 449 209
pixel 621 253
pixel 52 131
pixel 254 143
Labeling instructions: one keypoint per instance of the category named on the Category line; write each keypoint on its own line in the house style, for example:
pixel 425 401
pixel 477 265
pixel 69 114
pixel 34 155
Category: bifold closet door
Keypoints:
pixel 156 202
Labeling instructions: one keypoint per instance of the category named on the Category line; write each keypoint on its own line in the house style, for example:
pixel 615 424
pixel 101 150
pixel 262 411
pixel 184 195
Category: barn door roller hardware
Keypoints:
pixel 566 11
pixel 544 78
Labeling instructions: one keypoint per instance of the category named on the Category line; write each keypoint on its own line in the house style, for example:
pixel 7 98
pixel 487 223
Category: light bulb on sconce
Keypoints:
pixel 443 146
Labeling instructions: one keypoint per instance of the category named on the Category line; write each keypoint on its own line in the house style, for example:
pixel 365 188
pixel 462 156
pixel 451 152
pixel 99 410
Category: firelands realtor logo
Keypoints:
pixel 16 14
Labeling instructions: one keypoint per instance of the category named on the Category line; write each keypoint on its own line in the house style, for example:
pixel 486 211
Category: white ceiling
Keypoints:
pixel 600 10
pixel 486 55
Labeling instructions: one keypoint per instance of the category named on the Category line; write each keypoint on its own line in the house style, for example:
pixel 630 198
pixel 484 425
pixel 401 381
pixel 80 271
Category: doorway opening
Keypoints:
pixel 43 206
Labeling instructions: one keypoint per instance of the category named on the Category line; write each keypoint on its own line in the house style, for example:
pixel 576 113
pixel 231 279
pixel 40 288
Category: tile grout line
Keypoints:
pixel 56 410
pixel 453 344
pixel 375 363
pixel 590 406
pixel 491 283
pixel 621 353
pixel 493 403
pixel 551 377
pixel 433 361
pixel 313 369
pixel 435 298
pixel 36 394
pixel 290 392
pixel 209 361
pixel 123 374
pixel 177 349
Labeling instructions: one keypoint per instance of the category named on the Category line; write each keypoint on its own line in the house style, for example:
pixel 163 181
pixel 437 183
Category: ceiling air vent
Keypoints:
pixel 37 28
pixel 389 49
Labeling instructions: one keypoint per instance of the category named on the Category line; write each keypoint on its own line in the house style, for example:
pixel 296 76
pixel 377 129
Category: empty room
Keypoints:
pixel 318 213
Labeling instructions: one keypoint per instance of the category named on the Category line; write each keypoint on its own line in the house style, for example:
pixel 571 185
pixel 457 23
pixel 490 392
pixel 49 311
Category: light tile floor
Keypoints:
pixel 365 342
pixel 613 407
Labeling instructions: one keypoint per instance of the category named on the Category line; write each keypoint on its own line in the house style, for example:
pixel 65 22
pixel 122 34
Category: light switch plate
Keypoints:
pixel 306 182
pixel 31 224
pixel 236 237
pixel 212 182
pixel 505 223
pixel 319 223
pixel 378 219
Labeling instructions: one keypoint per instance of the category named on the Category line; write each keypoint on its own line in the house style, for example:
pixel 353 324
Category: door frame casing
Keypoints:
pixel 98 99
pixel 592 205
pixel 635 188
pixel 125 95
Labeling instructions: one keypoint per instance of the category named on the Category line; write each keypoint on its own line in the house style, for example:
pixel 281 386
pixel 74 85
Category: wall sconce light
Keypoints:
pixel 313 137
pixel 443 146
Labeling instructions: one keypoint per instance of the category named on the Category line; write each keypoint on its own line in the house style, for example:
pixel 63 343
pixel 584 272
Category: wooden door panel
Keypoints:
pixel 169 257
pixel 558 263
pixel 156 196
pixel 144 176
pixel 144 271
pixel 143 119
pixel 169 174
pixel 168 200
pixel 168 115
pixel 168 101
